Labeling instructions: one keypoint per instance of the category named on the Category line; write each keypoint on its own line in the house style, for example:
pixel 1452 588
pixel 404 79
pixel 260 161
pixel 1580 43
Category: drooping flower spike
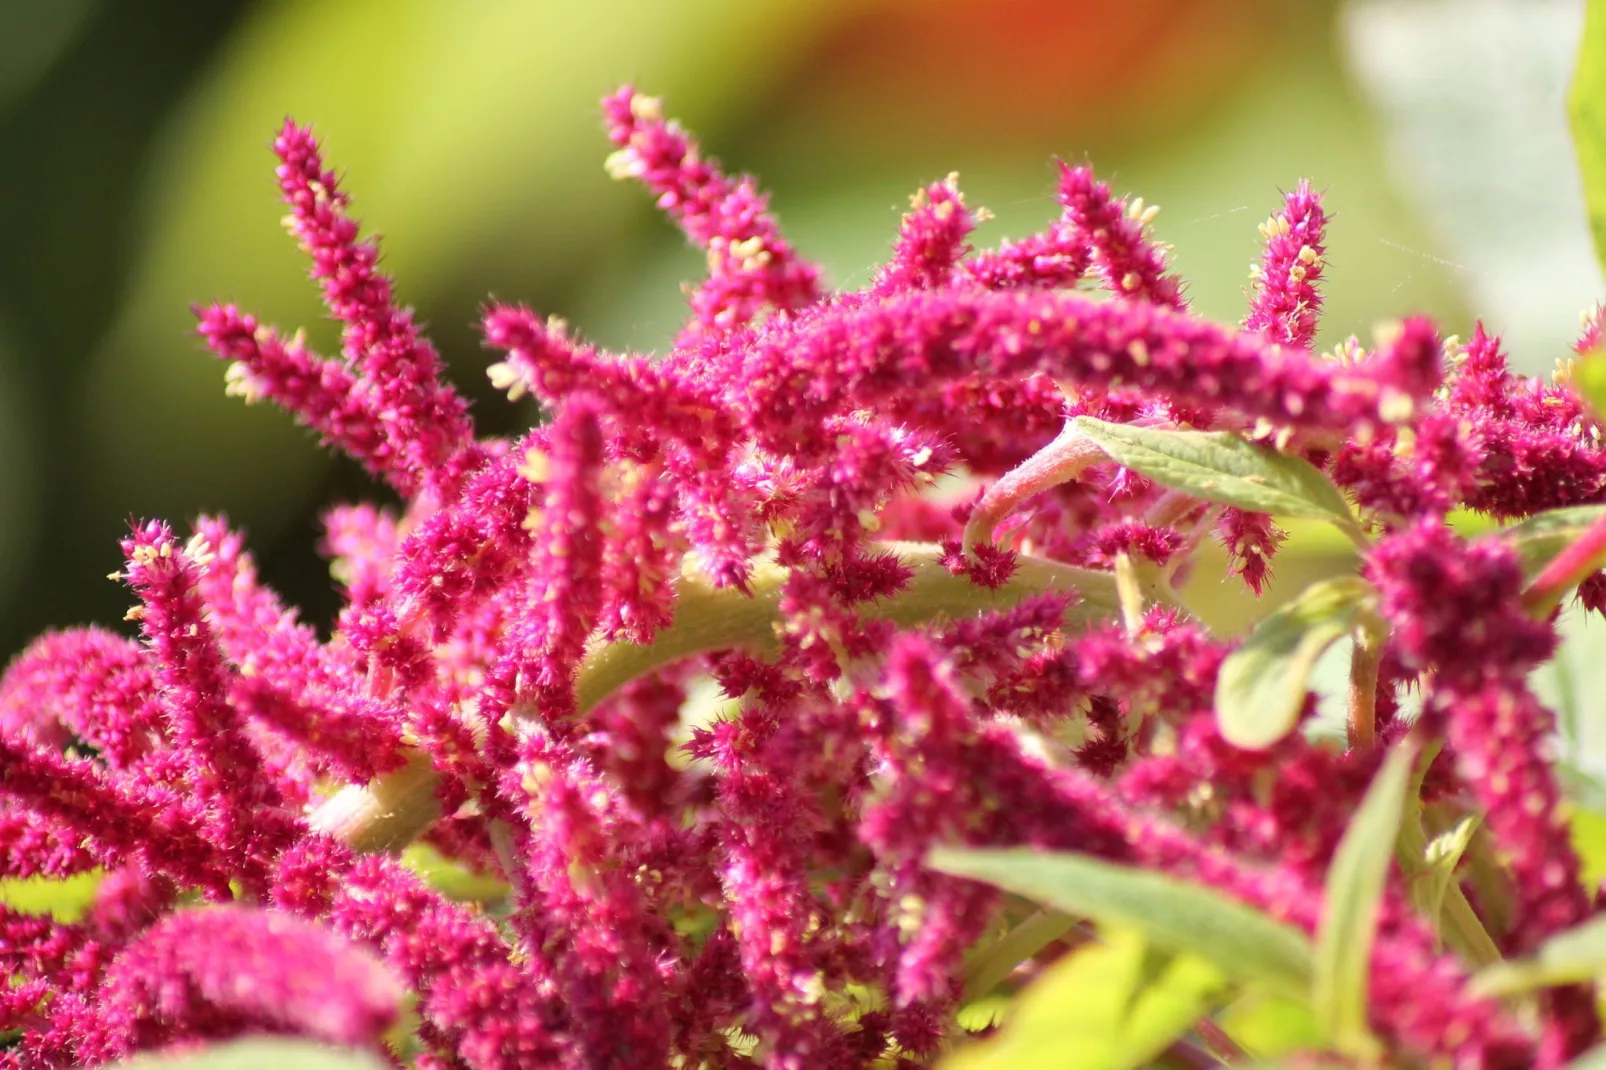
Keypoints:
pixel 686 684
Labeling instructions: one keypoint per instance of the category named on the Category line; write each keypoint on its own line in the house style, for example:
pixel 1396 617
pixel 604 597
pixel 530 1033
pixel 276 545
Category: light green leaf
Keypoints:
pixel 1268 1025
pixel 1108 1006
pixel 1175 915
pixel 1572 956
pixel 1589 379
pixel 1222 467
pixel 257 1053
pixel 1436 868
pixel 1544 535
pixel 64 899
pixel 1262 684
pixel 1586 111
pixel 1350 905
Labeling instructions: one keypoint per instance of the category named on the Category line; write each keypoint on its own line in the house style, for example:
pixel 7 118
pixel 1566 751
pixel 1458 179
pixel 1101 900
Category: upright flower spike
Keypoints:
pixel 751 268
pixel 392 381
pixel 1286 304
pixel 931 241
pixel 1131 264
pixel 536 676
pixel 203 726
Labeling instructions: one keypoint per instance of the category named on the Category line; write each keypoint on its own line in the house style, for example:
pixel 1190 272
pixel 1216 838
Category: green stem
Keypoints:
pixel 396 808
pixel 988 970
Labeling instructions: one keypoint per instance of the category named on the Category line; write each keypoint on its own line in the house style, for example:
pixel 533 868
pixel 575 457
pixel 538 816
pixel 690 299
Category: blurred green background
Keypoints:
pixel 136 180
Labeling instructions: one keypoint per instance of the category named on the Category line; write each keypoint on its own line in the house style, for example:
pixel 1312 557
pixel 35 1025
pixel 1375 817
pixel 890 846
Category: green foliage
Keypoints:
pixel 1107 1006
pixel 1350 906
pixel 1544 535
pixel 1569 957
pixel 1174 915
pixel 1220 466
pixel 1261 687
pixel 65 899
pixel 1586 110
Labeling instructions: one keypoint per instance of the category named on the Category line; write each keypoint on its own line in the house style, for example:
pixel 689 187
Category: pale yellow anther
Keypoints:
pixel 1307 254
pixel 1131 281
pixel 503 377
pixel 624 163
pixel 1147 215
pixel 646 109
pixel 1135 209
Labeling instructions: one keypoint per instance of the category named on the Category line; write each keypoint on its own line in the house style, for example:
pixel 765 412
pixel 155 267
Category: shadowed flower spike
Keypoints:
pixel 681 688
pixel 225 970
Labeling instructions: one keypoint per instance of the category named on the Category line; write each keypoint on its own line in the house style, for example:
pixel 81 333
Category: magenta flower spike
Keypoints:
pixel 634 734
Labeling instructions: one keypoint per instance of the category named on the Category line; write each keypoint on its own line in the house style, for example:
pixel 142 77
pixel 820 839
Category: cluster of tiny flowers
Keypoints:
pixel 696 673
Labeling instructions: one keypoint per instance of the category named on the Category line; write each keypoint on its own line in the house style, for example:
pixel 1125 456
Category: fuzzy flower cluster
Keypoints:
pixel 699 670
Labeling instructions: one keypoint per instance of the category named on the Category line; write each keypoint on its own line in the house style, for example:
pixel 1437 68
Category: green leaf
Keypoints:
pixel 1350 905
pixel 1261 687
pixel 1569 957
pixel 1222 467
pixel 1175 915
pixel 1586 111
pixel 1106 1006
pixel 1268 1025
pixel 64 899
pixel 257 1053
pixel 1544 535
pixel 1436 868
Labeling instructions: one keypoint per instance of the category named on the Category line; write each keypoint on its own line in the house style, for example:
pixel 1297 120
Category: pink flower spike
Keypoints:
pixel 545 644
pixel 224 970
pixel 423 419
pixel 87 683
pixel 931 241
pixel 750 266
pixel 322 395
pixel 1132 265
pixel 290 679
pixel 1286 303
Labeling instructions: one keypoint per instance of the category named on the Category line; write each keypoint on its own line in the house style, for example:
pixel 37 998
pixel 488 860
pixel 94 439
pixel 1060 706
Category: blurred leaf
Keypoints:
pixel 1350 905
pixel 257 1053
pixel 450 877
pixel 1174 914
pixel 1586 112
pixel 1587 830
pixel 1589 379
pixel 1268 1026
pixel 1544 535
pixel 1220 466
pixel 1261 687
pixel 988 968
pixel 1431 881
pixel 1106 1006
pixel 1471 98
pixel 65 899
pixel 1569 957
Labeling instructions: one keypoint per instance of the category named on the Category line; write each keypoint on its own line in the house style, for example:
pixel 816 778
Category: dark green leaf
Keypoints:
pixel 1173 914
pixel 1222 467
pixel 1261 687
pixel 1349 909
